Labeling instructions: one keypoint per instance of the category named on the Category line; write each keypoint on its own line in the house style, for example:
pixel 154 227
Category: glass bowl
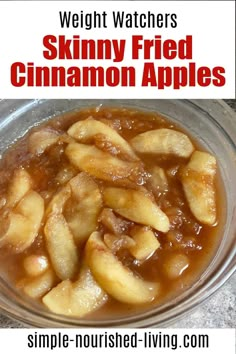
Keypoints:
pixel 213 124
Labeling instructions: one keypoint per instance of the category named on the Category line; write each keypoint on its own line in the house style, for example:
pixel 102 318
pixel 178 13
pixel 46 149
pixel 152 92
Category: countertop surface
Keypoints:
pixel 217 312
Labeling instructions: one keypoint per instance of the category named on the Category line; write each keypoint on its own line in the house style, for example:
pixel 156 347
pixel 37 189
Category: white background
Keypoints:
pixel 24 24
pixel 16 340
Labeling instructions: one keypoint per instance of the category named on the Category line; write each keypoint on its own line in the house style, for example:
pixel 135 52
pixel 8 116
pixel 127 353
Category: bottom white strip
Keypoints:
pixel 161 341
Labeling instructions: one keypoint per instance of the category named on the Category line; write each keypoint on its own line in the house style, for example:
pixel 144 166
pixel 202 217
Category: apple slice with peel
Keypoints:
pixel 117 280
pixel 77 298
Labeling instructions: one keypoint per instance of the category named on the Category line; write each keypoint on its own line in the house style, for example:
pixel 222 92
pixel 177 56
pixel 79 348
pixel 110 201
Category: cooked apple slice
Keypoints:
pixel 115 224
pixel 61 247
pixel 65 174
pixel 198 178
pixel 23 222
pixel 20 184
pixel 88 130
pixel 57 203
pixel 35 265
pixel 3 202
pixel 40 285
pixel 84 206
pixel 145 245
pixel 100 164
pixel 66 139
pixel 175 265
pixel 117 280
pixel 16 232
pixel 158 180
pixel 76 299
pixel 163 141
pixel 117 242
pixel 42 140
pixel 136 206
pixel 80 201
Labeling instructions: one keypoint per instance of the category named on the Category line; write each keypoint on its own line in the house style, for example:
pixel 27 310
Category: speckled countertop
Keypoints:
pixel 217 312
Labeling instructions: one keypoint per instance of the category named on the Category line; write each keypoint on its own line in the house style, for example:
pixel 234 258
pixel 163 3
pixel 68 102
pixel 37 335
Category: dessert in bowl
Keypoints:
pixel 111 214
